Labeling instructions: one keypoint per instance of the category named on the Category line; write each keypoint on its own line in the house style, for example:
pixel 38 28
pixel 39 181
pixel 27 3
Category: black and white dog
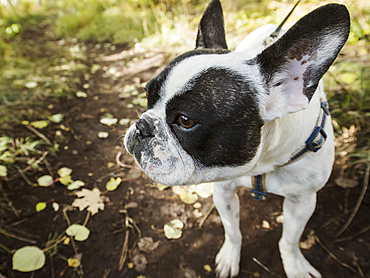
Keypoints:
pixel 254 117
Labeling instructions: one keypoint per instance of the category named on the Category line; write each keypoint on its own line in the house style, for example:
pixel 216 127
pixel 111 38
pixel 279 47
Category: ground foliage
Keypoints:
pixel 72 78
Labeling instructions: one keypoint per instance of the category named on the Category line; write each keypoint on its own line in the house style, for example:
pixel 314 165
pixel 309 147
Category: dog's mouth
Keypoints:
pixel 161 156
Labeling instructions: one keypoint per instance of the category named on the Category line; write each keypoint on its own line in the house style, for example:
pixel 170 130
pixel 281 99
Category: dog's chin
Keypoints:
pixel 166 165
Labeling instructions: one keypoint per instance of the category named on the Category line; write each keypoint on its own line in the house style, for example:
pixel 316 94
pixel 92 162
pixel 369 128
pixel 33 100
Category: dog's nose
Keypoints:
pixel 143 129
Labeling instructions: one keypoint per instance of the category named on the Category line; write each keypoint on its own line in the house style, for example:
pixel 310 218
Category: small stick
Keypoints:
pixel 332 255
pixel 359 202
pixel 10 203
pixel 123 256
pixel 38 161
pixel 206 216
pixel 263 266
pixel 39 134
pixel 363 230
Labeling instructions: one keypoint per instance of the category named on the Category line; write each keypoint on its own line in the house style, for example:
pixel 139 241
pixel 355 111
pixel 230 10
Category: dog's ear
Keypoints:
pixel 293 66
pixel 211 31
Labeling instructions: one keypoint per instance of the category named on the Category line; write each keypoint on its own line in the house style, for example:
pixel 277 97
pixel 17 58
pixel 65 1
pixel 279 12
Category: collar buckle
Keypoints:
pixel 316 140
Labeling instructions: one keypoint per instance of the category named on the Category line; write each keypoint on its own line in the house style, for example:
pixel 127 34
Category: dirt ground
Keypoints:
pixel 138 200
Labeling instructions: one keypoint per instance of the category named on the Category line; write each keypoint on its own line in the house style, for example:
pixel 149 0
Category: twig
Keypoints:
pixel 86 219
pixel 363 230
pixel 358 204
pixel 10 203
pixel 206 216
pixel 39 134
pixel 123 257
pixel 122 164
pixel 332 255
pixel 263 266
pixel 38 161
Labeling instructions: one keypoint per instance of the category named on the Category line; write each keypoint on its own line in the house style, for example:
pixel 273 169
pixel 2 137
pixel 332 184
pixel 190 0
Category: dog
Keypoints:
pixel 254 117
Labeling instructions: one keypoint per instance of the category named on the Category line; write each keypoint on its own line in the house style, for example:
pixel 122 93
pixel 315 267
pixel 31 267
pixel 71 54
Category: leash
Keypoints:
pixel 313 144
pixel 274 35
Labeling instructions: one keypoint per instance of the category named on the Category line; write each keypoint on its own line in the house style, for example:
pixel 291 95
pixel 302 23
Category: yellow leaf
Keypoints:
pixel 207 267
pixel 39 124
pixel 161 187
pixel 130 265
pixel 73 262
pixel 113 183
pixel 40 206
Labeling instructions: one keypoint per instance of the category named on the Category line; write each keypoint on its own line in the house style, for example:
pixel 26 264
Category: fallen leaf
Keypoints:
pixel 197 205
pixel 40 206
pixel 66 180
pixel 81 94
pixel 113 183
pixel 188 197
pixel 161 187
pixel 75 185
pixel 57 118
pixel 280 219
pixel 204 190
pixel 3 171
pixel 39 124
pixel 207 267
pixel 46 180
pixel 73 262
pixel 265 224
pixel 140 262
pixel 173 229
pixel 147 245
pixel 28 258
pixel 108 121
pixel 79 232
pixel 308 243
pixel 103 135
pixel 64 171
pixel 89 199
pixel 124 121
pixel 55 206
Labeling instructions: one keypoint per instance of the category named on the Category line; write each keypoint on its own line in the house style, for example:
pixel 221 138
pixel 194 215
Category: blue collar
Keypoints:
pixel 312 144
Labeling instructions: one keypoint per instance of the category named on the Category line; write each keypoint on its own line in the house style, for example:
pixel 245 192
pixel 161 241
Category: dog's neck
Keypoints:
pixel 283 137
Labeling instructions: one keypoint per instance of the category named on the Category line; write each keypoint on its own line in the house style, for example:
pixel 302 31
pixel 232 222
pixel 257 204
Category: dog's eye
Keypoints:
pixel 185 122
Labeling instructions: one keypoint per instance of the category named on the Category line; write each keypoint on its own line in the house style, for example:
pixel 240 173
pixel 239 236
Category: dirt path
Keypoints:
pixel 137 208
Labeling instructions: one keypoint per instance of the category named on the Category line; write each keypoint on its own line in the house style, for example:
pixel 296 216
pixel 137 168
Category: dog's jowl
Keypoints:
pixel 254 117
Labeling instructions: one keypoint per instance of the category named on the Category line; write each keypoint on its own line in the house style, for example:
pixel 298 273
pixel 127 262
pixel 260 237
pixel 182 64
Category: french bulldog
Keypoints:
pixel 222 116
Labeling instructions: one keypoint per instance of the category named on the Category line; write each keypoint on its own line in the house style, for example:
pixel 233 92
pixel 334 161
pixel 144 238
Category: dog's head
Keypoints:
pixel 207 107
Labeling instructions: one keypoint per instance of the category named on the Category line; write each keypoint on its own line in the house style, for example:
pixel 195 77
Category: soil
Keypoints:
pixel 148 209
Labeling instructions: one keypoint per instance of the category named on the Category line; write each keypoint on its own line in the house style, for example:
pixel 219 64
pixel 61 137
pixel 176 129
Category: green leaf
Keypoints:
pixel 39 124
pixel 40 206
pixel 79 232
pixel 75 185
pixel 57 118
pixel 113 183
pixel 28 258
pixel 3 171
pixel 66 180
pixel 173 229
pixel 64 171
pixel 45 180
